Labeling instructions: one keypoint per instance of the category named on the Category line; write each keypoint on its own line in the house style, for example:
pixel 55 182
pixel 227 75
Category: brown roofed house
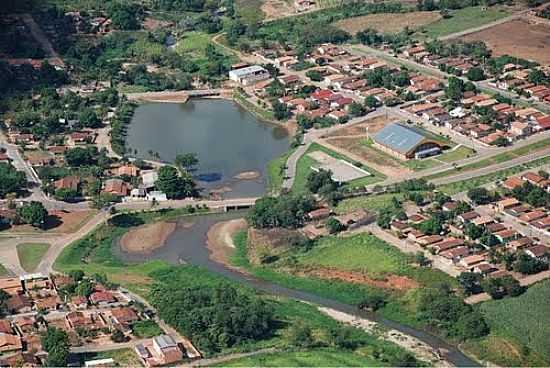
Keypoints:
pixel 11 285
pixel 19 303
pixel 124 316
pixel 117 187
pixel 68 182
pixel 9 343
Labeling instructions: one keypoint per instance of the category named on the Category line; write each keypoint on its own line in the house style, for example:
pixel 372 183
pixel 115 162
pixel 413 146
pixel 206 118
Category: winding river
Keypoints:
pixel 188 245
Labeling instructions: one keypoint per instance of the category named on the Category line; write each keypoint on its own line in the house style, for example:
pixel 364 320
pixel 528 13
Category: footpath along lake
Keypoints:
pixel 227 139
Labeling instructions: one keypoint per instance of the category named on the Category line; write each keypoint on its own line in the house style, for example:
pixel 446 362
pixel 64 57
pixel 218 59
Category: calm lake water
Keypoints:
pixel 227 139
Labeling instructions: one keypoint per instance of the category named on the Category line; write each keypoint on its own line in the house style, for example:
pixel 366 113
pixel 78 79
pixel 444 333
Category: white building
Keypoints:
pixel 249 75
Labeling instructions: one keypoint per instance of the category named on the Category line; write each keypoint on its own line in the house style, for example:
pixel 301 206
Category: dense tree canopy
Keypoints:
pixel 286 211
pixel 175 186
pixel 56 343
pixel 11 180
pixel 214 317
pixel 33 213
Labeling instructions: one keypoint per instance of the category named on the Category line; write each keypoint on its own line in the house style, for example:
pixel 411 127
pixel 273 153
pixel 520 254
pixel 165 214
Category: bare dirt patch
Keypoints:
pixel 369 126
pixel 58 222
pixel 518 38
pixel 274 9
pixel 151 24
pixel 220 239
pixel 388 23
pixel 394 282
pixel 146 238
pixel 371 157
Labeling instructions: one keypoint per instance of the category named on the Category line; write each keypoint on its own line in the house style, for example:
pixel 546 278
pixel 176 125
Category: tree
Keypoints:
pixel 117 336
pixel 473 231
pixel 187 161
pixel 455 89
pixel 280 110
pixel 470 282
pixel 480 196
pixel 371 102
pixel 89 119
pixel 529 265
pixel 11 180
pixel 372 302
pixel 76 275
pixel 314 75
pixel 421 260
pixel 125 15
pixel 300 335
pixel 3 302
pixel 33 213
pixel 174 185
pixel 475 74
pixel 66 194
pixel 320 179
pixel 355 109
pixel 84 288
pixel 334 226
pixel 56 343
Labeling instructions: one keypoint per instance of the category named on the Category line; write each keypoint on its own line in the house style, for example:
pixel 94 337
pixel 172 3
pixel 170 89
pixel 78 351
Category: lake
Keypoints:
pixel 227 139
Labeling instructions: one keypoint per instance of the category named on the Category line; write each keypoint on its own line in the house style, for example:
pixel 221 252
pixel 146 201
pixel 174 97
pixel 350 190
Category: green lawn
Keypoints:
pixel 457 154
pixel 463 19
pixel 304 164
pixel 359 252
pixel 146 329
pixel 4 271
pixel 371 202
pixel 520 332
pixel 193 42
pixel 30 254
pixel 326 357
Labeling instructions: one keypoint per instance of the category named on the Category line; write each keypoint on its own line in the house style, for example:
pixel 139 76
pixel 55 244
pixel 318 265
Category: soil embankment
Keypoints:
pixel 220 239
pixel 145 239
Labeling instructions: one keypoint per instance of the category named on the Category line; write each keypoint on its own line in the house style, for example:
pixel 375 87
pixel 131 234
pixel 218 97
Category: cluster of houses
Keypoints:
pixel 508 123
pixel 517 80
pixel 341 81
pixel 503 220
pixel 461 63
pixel 36 302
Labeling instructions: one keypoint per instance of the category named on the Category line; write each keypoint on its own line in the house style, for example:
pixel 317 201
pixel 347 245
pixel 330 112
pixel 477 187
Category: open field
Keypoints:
pixel 457 154
pixel 371 202
pixel 3 271
pixel 193 42
pixel 515 322
pixel 30 254
pixel 304 164
pixel 462 20
pixel 369 126
pixel 122 357
pixel 518 38
pixel 388 23
pixel 325 357
pixel 250 10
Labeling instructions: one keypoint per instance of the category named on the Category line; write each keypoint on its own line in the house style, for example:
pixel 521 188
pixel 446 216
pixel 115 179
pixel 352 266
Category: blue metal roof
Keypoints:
pixel 399 137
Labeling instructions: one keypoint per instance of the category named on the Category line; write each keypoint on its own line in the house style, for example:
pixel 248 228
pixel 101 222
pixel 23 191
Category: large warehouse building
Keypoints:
pixel 249 75
pixel 405 142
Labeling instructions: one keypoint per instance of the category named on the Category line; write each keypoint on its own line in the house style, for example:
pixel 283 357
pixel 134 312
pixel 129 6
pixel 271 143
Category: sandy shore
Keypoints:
pixel 248 175
pixel 145 239
pixel 418 348
pixel 220 239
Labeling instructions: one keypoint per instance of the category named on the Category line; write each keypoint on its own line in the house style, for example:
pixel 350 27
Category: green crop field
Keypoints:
pixel 523 320
pixel 463 19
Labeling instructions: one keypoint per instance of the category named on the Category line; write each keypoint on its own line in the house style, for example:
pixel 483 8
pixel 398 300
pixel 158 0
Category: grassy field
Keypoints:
pixel 250 10
pixel 457 154
pixel 146 329
pixel 499 158
pixel 358 253
pixel 326 357
pixel 258 111
pixel 388 23
pixel 4 271
pixel 30 254
pixel 519 329
pixel 122 357
pixel 194 43
pixel 463 19
pixel 372 202
pixel 304 164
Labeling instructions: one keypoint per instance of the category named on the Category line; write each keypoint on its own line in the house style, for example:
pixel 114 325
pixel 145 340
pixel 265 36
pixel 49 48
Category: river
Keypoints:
pixel 227 139
pixel 188 245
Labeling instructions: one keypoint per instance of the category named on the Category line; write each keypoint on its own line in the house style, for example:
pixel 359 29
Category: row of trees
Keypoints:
pixel 287 211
